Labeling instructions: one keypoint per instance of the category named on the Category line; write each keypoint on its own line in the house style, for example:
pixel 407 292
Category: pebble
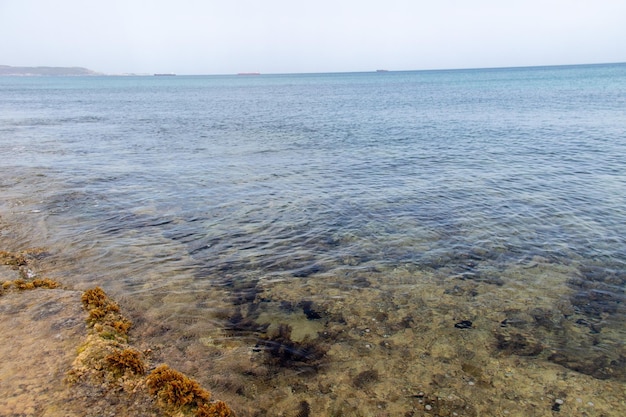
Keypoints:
pixel 559 401
pixel 428 407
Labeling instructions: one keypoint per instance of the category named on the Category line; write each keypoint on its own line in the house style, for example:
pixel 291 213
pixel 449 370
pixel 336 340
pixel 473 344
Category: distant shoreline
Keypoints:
pixel 48 71
pixel 9 71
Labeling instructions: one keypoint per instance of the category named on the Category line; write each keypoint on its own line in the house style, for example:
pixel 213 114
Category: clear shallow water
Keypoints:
pixel 192 196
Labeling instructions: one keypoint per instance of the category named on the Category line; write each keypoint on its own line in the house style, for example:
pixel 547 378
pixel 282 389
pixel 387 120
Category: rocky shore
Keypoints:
pixel 68 353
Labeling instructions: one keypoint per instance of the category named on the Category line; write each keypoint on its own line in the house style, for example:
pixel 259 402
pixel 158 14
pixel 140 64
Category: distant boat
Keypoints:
pixel 164 75
pixel 382 70
pixel 248 73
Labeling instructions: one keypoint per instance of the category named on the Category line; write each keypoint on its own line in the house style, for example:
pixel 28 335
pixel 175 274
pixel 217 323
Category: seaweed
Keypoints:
pixel 104 314
pixel 173 388
pixel 365 378
pixel 127 359
pixel 97 298
pixel 598 365
pixel 599 290
pixel 309 311
pixel 284 352
pixel 517 343
pixel 241 291
pixel 215 409
pixel 106 356
pixel 45 283
pixel 14 260
pixel 304 409
pixel 19 260
pixel 236 323
pixel 22 285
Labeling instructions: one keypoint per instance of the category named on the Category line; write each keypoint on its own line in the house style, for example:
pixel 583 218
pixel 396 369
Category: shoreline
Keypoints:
pixel 65 361
pixel 435 377
pixel 386 348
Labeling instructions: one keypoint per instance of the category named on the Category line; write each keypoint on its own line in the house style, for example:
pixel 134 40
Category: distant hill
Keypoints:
pixel 6 70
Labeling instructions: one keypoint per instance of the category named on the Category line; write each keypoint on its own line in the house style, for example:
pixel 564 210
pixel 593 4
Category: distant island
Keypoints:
pixel 6 70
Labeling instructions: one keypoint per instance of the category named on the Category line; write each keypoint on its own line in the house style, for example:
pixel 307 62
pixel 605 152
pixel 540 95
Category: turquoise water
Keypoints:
pixel 153 186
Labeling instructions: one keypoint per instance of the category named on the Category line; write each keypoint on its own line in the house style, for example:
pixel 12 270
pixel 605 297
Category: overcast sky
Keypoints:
pixel 278 36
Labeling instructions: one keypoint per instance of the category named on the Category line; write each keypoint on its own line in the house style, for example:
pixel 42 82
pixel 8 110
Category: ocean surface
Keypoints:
pixel 213 207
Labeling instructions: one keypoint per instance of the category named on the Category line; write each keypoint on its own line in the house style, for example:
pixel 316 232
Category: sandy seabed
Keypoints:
pixel 426 351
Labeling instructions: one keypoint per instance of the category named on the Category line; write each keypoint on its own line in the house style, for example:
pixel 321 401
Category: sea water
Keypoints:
pixel 457 218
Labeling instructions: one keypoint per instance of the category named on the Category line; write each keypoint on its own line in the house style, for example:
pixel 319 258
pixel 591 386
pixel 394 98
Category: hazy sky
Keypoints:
pixel 276 36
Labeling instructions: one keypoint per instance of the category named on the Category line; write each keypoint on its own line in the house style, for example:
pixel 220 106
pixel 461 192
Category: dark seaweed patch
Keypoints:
pixel 237 324
pixel 361 282
pixel 597 365
pixel 365 378
pixel 600 290
pixel 594 328
pixel 517 343
pixel 241 291
pixel 287 306
pixel 309 310
pixel 543 318
pixel 304 409
pixel 284 352
pixel 458 291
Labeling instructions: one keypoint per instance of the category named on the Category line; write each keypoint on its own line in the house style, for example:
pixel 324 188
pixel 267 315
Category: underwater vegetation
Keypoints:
pixel 20 261
pixel 274 341
pixel 284 352
pixel 104 314
pixel 107 357
pixel 365 378
pixel 215 409
pixel 22 285
pixel 304 409
pixel 126 360
pixel 599 290
pixel 14 260
pixel 172 388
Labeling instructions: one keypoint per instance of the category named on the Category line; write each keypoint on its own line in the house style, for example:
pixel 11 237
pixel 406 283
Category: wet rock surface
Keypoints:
pixel 41 330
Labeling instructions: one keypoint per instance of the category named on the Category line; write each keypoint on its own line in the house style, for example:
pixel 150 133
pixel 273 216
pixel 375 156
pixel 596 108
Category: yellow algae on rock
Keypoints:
pixel 173 388
pixel 107 358
pixel 126 360
pixel 216 409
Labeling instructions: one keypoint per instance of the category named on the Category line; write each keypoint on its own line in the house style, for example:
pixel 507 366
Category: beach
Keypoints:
pixel 422 358
pixel 53 365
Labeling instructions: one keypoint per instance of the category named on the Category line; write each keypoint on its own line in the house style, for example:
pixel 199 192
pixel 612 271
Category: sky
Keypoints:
pixel 291 36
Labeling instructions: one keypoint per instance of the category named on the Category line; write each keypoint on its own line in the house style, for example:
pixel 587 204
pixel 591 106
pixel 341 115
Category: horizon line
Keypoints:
pixel 382 70
pixel 257 73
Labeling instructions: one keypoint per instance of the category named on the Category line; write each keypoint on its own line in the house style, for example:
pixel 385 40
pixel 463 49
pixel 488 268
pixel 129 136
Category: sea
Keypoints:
pixel 363 243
